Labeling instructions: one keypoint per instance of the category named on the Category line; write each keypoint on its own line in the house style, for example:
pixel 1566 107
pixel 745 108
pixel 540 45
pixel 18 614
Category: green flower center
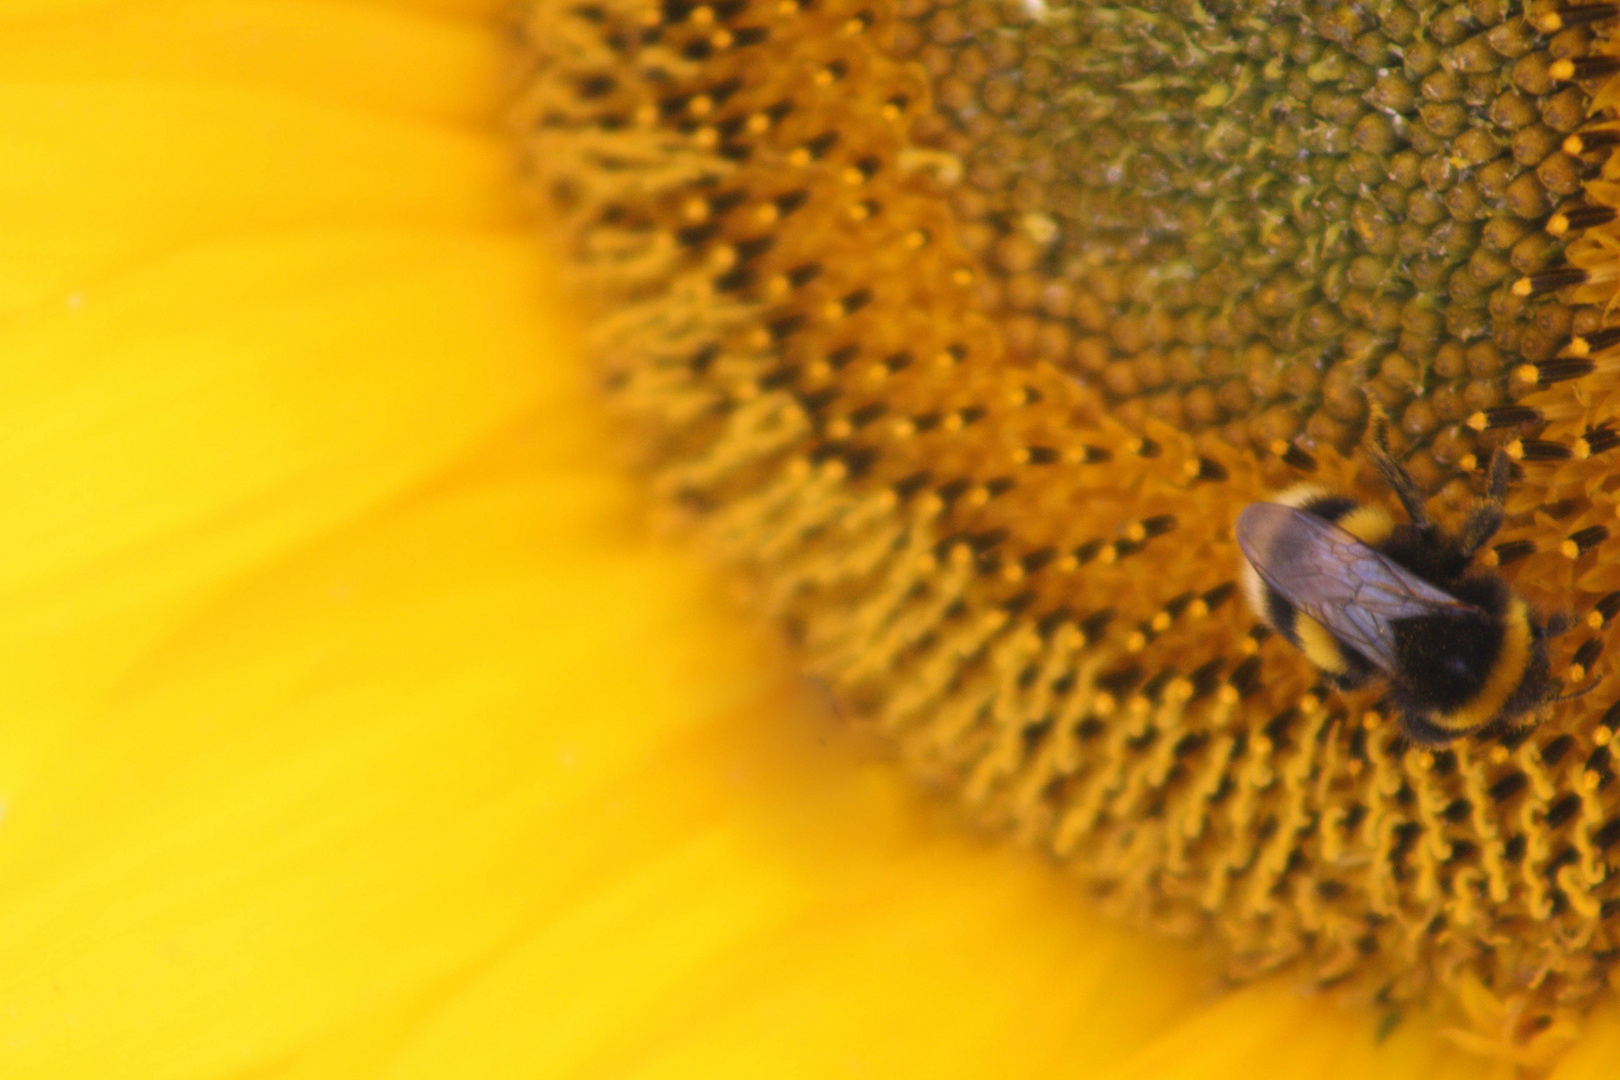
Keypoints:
pixel 1238 215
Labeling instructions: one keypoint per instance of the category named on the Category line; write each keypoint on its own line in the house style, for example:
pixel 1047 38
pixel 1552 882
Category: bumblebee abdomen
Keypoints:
pixel 1343 664
pixel 1346 667
pixel 1460 675
pixel 1446 658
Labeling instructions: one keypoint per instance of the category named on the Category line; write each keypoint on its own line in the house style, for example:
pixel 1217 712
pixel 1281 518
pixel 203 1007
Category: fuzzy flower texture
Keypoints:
pixel 963 330
pixel 353 726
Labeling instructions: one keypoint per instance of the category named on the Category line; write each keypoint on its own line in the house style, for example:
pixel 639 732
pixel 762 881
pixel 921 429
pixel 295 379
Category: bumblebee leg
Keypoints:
pixel 1399 480
pixel 1487 516
pixel 1559 623
pixel 1591 684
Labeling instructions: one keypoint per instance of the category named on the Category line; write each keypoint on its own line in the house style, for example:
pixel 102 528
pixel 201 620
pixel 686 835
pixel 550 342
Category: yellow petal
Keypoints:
pixel 1274 1029
pixel 113 169
pixel 1593 1057
pixel 384 60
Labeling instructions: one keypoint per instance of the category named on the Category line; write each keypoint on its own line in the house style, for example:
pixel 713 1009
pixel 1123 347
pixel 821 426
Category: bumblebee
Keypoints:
pixel 1365 597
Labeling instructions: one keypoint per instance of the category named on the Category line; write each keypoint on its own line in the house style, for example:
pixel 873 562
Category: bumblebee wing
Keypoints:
pixel 1342 583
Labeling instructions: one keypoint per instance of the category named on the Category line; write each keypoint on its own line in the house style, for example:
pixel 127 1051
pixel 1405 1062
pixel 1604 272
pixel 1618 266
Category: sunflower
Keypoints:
pixel 354 726
pixel 962 331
